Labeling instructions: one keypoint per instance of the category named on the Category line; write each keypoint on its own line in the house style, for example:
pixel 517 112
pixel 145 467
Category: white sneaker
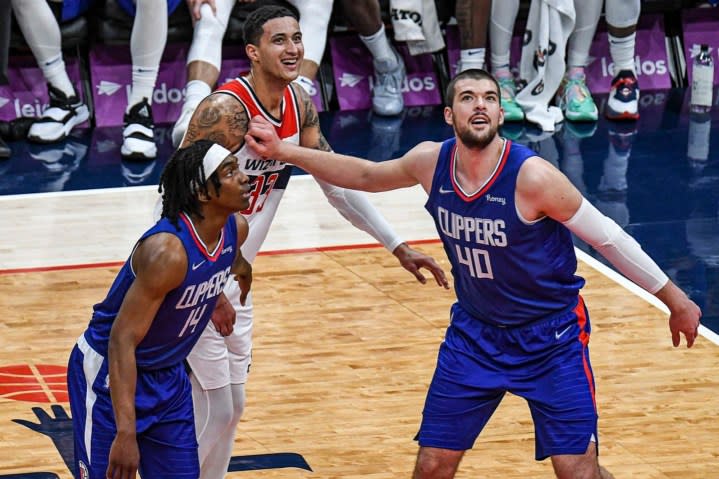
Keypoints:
pixel 64 114
pixel 387 97
pixel 138 136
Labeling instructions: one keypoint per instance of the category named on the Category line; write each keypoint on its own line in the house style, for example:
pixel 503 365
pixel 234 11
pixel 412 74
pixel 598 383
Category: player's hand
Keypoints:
pixel 262 138
pixel 195 5
pixel 685 320
pixel 223 317
pixel 124 457
pixel 413 261
pixel 243 275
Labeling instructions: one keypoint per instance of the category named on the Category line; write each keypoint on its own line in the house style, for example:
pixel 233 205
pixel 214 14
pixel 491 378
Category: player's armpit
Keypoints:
pixel 220 118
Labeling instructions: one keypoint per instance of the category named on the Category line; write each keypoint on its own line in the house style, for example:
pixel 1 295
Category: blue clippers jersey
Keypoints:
pixel 506 272
pixel 185 311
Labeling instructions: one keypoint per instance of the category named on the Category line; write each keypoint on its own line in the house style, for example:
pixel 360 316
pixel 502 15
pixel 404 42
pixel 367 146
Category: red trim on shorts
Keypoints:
pixel 581 311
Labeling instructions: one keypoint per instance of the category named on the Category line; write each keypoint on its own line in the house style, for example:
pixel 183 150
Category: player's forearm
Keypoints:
pixel 341 170
pixel 619 248
pixel 674 298
pixel 123 381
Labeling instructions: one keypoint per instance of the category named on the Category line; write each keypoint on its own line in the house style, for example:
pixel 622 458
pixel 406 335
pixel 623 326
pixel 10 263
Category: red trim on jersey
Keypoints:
pixel 490 181
pixel 200 245
pixel 288 123
pixel 581 312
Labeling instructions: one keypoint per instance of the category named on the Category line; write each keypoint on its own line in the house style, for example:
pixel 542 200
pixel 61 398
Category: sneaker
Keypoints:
pixel 64 114
pixel 178 131
pixel 623 103
pixel 138 137
pixel 387 97
pixel 575 100
pixel 512 110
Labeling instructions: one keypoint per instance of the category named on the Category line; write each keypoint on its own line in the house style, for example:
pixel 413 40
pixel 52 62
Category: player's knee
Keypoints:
pixel 435 464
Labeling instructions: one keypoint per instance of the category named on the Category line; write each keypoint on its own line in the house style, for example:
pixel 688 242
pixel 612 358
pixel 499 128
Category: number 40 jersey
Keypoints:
pixel 507 271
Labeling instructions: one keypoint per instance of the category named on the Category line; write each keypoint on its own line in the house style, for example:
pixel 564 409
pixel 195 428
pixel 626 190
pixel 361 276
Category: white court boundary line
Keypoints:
pixel 645 295
pixel 102 191
pixel 89 192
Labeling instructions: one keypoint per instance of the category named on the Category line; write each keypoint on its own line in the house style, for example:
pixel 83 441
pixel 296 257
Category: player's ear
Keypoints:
pixel 251 52
pixel 448 116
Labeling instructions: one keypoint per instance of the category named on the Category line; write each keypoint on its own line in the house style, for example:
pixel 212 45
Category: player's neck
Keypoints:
pixel 208 229
pixel 475 165
pixel 269 91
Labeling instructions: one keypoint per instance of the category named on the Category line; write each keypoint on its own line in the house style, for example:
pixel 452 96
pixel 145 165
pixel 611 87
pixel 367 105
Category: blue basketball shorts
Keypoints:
pixel 130 7
pixel 165 422
pixel 546 363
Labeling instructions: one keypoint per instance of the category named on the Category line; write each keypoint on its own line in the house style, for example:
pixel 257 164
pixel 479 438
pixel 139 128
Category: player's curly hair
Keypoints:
pixel 252 28
pixel 183 179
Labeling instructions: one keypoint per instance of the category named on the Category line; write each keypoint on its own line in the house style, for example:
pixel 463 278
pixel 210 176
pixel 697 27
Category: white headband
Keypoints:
pixel 213 158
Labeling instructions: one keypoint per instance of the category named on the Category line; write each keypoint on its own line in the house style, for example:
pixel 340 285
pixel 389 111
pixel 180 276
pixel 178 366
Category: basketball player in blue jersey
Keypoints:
pixel 519 324
pixel 130 395
pixel 220 362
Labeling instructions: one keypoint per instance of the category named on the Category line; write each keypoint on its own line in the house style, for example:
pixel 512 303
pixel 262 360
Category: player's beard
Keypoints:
pixel 476 140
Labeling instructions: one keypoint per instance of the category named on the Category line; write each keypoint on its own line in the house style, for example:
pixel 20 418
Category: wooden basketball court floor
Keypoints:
pixel 345 344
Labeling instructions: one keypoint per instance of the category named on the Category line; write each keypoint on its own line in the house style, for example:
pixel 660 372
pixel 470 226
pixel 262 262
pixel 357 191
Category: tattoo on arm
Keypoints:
pixel 221 119
pixel 208 117
pixel 312 120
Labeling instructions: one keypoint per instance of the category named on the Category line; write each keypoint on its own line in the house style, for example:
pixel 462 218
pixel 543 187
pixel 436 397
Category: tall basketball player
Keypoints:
pixel 129 392
pixel 519 324
pixel 220 364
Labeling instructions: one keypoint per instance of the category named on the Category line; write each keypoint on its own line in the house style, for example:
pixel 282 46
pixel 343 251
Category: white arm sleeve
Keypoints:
pixel 358 210
pixel 618 247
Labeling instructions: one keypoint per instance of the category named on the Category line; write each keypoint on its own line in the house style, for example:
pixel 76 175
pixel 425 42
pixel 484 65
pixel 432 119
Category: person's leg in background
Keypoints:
pixel 42 33
pixel 473 21
pixel 314 20
pixel 574 97
pixel 622 17
pixel 388 65
pixel 503 15
pixel 147 43
pixel 203 60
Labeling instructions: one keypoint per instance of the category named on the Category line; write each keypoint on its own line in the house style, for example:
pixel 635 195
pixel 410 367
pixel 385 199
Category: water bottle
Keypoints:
pixel 702 81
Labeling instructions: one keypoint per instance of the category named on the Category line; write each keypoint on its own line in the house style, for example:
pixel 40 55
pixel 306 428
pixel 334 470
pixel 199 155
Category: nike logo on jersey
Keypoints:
pixel 197 265
pixel 227 250
pixel 444 192
pixel 558 335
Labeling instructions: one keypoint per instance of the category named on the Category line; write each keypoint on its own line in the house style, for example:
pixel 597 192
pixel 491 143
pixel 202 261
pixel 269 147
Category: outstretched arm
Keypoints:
pixel 357 209
pixel 160 264
pixel 417 166
pixel 220 118
pixel 542 190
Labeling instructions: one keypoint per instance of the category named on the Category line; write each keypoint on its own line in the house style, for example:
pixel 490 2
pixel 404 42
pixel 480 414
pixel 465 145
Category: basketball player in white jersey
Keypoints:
pixel 220 364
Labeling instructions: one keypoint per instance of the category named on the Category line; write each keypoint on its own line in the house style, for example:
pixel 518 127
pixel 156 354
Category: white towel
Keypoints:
pixel 549 25
pixel 415 22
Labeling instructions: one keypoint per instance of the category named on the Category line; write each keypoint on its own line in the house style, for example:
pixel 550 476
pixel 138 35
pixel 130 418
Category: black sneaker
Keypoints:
pixel 64 114
pixel 138 136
